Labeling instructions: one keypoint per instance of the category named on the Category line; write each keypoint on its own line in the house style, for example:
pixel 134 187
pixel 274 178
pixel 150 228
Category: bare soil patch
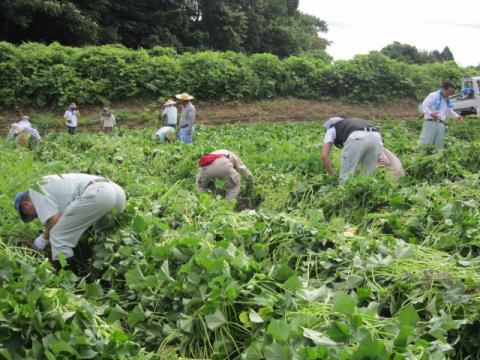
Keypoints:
pixel 276 110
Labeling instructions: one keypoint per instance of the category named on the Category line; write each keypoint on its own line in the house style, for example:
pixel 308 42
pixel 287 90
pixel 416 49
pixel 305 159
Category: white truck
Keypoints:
pixel 468 103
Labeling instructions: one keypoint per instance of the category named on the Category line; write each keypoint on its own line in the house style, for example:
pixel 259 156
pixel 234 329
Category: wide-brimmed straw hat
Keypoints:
pixel 184 97
pixel 25 117
pixel 169 102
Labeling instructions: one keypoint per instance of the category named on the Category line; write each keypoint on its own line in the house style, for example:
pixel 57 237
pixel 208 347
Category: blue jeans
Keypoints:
pixel 183 136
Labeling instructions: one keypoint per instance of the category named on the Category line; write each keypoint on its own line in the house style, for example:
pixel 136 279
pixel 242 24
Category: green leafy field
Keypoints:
pixel 372 269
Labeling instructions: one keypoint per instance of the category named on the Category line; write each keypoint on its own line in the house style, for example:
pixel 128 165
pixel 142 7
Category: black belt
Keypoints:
pixel 372 129
pixel 439 121
pixel 183 126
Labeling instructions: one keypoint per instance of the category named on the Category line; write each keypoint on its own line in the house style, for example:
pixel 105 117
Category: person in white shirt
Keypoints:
pixel 360 142
pixel 21 130
pixel 67 205
pixel 187 118
pixel 166 133
pixel 436 108
pixel 170 113
pixel 107 119
pixel 71 117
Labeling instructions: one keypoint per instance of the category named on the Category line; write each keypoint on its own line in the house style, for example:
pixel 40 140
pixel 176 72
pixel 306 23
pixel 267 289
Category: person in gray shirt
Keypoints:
pixel 187 118
pixel 67 205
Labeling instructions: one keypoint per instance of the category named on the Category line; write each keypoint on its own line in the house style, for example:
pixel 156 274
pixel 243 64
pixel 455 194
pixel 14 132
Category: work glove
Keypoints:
pixel 40 243
pixel 189 131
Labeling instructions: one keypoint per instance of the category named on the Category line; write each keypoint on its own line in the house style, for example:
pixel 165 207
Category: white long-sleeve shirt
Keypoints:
pixel 71 117
pixel 170 112
pixel 444 112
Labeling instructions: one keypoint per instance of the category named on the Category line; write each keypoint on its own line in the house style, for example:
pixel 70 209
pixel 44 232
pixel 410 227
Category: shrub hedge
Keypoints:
pixel 34 74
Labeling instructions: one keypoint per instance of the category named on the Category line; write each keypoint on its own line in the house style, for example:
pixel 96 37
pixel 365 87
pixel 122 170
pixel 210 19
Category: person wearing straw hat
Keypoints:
pixel 170 113
pixel 71 117
pixel 360 142
pixel 22 130
pixel 68 205
pixel 166 133
pixel 226 166
pixel 187 118
pixel 107 119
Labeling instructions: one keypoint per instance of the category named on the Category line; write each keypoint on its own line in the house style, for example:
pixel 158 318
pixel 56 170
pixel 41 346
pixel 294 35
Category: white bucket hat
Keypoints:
pixel 169 102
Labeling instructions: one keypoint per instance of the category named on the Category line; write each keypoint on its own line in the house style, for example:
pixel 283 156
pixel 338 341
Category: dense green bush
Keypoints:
pixel 37 75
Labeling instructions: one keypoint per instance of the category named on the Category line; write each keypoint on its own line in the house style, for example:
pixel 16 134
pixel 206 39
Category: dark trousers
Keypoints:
pixel 71 129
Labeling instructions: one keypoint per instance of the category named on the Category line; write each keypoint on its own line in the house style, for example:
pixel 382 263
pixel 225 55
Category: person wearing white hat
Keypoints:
pixel 22 129
pixel 170 113
pixel 166 133
pixel 187 118
pixel 67 205
pixel 360 142
pixel 71 117
pixel 226 166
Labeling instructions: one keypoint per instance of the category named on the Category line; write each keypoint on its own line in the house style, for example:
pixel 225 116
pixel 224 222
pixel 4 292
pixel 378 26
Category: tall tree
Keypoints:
pixel 411 55
pixel 249 26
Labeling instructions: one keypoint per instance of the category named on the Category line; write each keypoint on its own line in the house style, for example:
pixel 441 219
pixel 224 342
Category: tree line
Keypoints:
pixel 249 26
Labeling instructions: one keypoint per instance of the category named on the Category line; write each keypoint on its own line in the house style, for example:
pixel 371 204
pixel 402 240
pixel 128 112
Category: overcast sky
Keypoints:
pixel 357 27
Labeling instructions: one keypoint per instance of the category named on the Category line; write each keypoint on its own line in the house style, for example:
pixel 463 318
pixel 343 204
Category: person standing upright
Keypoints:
pixel 71 117
pixel 436 108
pixel 170 112
pixel 187 118
pixel 108 120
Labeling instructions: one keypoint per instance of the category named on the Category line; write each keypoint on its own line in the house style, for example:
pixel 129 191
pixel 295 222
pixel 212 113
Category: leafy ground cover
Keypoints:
pixel 372 269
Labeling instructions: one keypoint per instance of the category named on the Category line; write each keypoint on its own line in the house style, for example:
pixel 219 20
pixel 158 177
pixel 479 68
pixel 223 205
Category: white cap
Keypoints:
pixel 332 121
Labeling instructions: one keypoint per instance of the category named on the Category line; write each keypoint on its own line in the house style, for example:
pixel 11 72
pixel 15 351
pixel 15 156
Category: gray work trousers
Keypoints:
pixel 96 201
pixel 361 148
pixel 433 133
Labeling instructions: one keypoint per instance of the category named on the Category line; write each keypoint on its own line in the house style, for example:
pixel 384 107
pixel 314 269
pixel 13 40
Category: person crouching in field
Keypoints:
pixel 170 113
pixel 71 117
pixel 390 161
pixel 22 130
pixel 67 205
pixel 436 108
pixel 226 166
pixel 187 118
pixel 166 133
pixel 108 120
pixel 360 142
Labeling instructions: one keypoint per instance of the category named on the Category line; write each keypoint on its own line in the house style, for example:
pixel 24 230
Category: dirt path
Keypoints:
pixel 291 109
pixel 277 110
